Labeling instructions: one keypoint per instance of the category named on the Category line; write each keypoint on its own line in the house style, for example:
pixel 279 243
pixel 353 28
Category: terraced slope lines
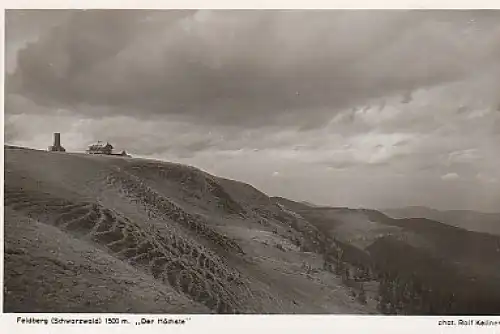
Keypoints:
pixel 188 267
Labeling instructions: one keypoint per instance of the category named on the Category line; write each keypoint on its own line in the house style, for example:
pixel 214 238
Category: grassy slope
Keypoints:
pixel 96 234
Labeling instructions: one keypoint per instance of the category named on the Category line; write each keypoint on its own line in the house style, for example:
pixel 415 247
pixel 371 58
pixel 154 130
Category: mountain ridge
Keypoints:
pixel 476 221
pixel 212 245
pixel 159 237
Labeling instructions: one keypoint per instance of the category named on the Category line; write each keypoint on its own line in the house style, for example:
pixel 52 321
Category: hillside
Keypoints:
pixel 466 219
pixel 109 234
pixel 443 269
pixel 87 233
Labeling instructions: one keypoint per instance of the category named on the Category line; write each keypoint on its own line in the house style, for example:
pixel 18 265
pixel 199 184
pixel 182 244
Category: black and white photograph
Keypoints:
pixel 265 161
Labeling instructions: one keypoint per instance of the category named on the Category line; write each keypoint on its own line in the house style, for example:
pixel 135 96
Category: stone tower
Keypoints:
pixel 57 144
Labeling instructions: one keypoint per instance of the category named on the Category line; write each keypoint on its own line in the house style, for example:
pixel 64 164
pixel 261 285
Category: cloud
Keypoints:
pixel 247 68
pixel 351 108
pixel 486 178
pixel 450 176
pixel 464 156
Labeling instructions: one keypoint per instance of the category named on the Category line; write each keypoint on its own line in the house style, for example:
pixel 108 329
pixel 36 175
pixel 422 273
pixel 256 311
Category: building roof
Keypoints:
pixel 100 145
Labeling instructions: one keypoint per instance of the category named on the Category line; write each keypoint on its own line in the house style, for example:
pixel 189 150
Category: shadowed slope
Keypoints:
pixel 445 269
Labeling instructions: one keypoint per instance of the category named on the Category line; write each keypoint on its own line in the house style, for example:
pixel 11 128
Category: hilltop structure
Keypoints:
pixel 57 144
pixel 104 148
pixel 100 148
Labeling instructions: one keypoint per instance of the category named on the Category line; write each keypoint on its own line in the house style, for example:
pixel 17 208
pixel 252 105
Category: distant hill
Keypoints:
pixel 418 256
pixel 466 219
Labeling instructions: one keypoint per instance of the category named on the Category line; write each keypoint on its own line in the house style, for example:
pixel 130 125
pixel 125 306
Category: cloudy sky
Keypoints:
pixel 346 108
